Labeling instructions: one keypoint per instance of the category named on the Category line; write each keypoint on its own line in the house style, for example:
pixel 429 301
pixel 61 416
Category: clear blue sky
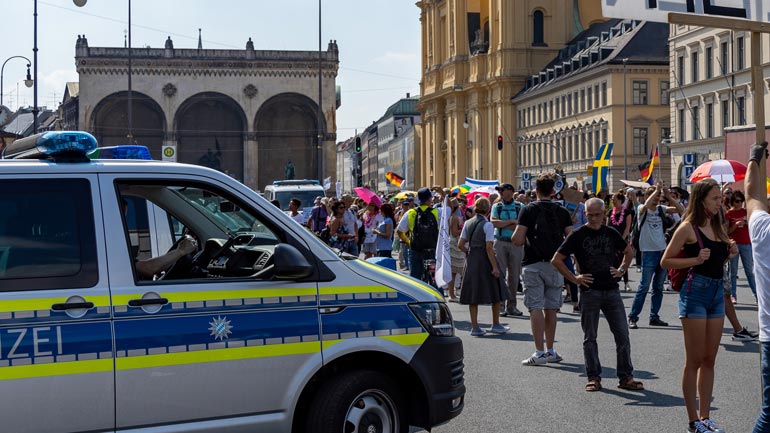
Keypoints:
pixel 379 41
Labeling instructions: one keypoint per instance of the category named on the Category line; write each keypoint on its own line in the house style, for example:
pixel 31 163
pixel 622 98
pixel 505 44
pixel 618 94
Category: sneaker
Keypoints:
pixel 477 332
pixel 632 324
pixel 628 288
pixel 553 357
pixel 513 311
pixel 499 329
pixel 744 335
pixel 712 426
pixel 535 360
pixel 504 313
pixel 698 427
pixel 658 322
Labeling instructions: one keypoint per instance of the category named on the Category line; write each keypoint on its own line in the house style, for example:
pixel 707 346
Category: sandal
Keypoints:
pixel 594 384
pixel 630 384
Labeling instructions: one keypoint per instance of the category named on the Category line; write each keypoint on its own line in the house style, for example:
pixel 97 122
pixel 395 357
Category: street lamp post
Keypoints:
pixel 78 3
pixel 27 82
pixel 625 124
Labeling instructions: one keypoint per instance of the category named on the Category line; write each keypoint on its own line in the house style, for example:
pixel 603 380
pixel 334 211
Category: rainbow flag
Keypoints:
pixel 394 179
pixel 646 169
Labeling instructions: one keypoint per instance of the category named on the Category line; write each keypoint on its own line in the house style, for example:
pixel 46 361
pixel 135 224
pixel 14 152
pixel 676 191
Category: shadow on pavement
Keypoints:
pixel 741 347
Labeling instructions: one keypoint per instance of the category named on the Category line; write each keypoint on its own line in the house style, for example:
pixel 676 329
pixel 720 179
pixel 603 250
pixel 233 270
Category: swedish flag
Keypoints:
pixel 602 167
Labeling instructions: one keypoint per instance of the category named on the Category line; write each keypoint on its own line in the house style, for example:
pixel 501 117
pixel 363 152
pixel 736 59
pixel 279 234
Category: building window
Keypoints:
pixel 680 126
pixel 604 134
pixel 696 123
pixel 640 141
pixel 604 93
pixel 723 58
pixel 725 115
pixel 665 134
pixel 557 107
pixel 569 104
pixel 741 110
pixel 590 99
pixel 741 53
pixel 665 86
pixel 563 106
pixel 709 62
pixel 639 92
pixel 575 101
pixel 550 109
pixel 596 95
pixel 582 100
pixel 680 70
pixel 538 31
pixel 709 120
pixel 695 66
pixel 539 114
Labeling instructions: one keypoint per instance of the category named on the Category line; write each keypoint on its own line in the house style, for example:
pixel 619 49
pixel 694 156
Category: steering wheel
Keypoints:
pixel 184 265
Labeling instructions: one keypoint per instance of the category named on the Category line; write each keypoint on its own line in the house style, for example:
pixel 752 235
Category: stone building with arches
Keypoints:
pixel 477 55
pixel 244 112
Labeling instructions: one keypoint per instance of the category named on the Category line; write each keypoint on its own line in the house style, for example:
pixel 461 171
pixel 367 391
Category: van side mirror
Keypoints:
pixel 290 264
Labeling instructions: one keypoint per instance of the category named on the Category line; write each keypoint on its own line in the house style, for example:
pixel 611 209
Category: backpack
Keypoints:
pixel 667 221
pixel 425 231
pixel 547 234
pixel 325 235
pixel 499 209
pixel 678 277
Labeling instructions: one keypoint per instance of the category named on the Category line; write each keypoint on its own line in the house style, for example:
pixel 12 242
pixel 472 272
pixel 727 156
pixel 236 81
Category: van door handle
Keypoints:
pixel 147 301
pixel 72 306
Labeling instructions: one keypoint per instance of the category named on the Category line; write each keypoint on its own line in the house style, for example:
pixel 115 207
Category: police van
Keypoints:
pixel 304 190
pixel 258 327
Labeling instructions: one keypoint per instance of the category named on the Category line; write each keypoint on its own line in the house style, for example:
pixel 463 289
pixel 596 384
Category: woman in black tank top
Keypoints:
pixel 701 299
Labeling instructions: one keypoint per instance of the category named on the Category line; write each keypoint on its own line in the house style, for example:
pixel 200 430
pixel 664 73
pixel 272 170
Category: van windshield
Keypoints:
pixel 307 197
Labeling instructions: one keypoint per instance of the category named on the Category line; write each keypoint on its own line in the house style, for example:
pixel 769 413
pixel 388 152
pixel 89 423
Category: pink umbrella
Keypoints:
pixel 721 170
pixel 368 196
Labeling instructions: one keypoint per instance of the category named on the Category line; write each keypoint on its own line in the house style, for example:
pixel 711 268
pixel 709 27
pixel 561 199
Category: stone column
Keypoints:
pixel 251 161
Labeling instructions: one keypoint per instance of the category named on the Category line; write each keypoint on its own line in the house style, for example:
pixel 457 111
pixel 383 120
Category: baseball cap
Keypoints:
pixel 505 186
pixel 424 194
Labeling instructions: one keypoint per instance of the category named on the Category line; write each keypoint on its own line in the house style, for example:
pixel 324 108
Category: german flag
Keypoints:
pixel 645 169
pixel 394 179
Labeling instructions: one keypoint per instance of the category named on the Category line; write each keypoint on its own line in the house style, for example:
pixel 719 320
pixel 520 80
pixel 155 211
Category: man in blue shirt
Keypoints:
pixel 505 214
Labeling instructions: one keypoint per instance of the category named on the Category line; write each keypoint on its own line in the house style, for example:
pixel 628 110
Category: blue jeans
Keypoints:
pixel 609 302
pixel 744 252
pixel 651 273
pixel 415 262
pixel 763 422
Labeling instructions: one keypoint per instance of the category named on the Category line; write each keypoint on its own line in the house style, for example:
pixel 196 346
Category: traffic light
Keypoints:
pixel 358 144
pixel 499 142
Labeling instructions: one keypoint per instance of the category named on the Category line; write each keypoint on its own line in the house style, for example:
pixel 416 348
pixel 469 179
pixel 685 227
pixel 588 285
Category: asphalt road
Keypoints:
pixel 504 396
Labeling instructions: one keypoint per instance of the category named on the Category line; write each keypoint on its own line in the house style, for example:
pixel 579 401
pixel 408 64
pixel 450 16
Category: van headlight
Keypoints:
pixel 435 318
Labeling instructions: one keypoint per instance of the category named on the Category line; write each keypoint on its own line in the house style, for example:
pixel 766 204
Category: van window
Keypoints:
pixel 47 235
pixel 232 240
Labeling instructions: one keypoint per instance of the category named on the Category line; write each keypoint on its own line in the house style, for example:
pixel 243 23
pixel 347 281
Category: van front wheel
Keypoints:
pixel 357 402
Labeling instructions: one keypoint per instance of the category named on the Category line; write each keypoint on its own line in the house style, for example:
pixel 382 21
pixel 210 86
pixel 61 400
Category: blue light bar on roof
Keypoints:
pixel 51 144
pixel 124 151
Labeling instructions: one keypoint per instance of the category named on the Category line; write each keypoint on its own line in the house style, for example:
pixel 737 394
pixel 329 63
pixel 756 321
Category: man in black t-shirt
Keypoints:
pixel 596 248
pixel 542 227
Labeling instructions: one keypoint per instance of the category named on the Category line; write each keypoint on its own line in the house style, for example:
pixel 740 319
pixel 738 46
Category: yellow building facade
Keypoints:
pixel 476 55
pixel 577 103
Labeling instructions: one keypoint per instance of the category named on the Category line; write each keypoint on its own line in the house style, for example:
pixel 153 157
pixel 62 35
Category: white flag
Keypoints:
pixel 443 263
pixel 327 183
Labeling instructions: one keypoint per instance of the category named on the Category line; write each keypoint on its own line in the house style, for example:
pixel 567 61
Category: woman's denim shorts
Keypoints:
pixel 702 298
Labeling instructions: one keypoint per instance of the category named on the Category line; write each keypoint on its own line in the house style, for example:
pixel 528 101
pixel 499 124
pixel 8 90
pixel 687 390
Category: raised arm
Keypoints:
pixel 756 190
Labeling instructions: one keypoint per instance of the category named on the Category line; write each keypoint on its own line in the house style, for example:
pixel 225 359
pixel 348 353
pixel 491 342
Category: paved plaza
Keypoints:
pixel 504 396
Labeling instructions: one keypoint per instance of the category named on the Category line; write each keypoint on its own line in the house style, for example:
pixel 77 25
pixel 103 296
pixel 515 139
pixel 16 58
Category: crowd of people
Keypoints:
pixel 552 251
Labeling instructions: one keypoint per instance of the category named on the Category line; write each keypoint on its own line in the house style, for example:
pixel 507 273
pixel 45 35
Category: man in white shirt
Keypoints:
pixel 294 205
pixel 759 230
